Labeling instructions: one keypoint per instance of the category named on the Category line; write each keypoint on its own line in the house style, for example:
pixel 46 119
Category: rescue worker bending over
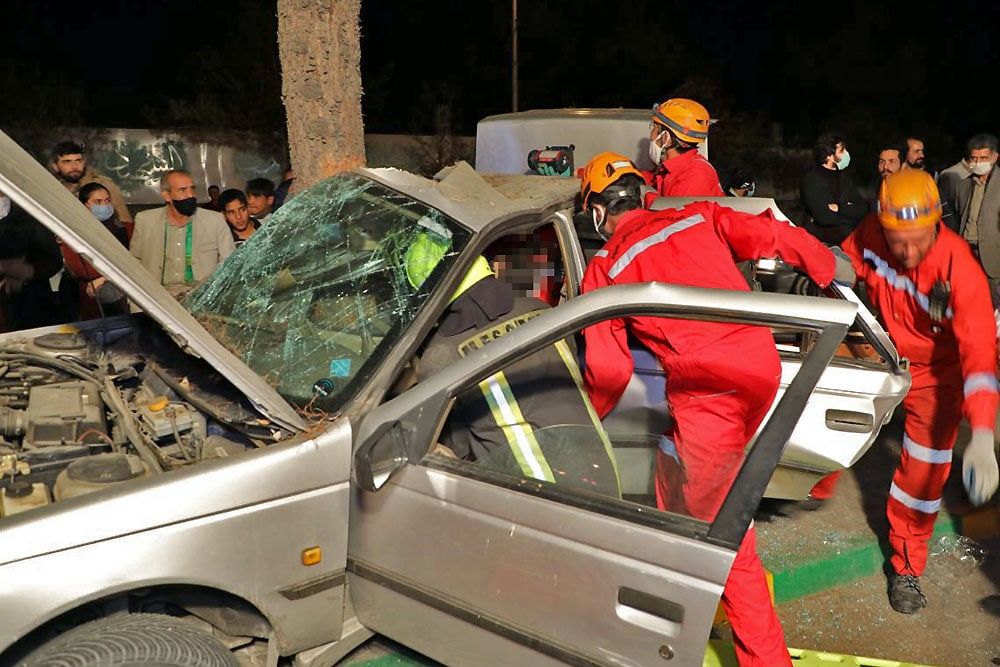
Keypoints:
pixel 532 419
pixel 676 129
pixel 933 298
pixel 721 377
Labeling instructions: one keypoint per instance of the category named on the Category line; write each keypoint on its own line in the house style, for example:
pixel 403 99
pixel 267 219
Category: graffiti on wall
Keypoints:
pixel 136 159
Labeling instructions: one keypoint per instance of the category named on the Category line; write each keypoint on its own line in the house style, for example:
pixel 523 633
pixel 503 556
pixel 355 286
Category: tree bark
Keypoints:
pixel 319 43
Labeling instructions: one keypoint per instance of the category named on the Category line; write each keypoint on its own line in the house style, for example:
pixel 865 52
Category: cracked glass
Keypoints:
pixel 317 297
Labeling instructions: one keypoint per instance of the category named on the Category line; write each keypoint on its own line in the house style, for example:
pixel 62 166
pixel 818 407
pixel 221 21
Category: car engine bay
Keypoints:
pixel 80 414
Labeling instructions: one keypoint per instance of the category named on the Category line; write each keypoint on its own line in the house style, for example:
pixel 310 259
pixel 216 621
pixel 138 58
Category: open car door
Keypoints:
pixel 470 564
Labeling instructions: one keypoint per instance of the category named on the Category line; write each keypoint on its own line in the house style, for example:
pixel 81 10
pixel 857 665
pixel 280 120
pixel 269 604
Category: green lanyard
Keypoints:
pixel 188 271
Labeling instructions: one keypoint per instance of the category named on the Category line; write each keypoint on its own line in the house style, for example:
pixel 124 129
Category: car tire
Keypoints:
pixel 132 640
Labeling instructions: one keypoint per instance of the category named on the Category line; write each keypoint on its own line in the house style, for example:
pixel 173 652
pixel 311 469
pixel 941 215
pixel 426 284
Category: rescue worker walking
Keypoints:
pixel 934 300
pixel 721 377
pixel 676 129
pixel 533 418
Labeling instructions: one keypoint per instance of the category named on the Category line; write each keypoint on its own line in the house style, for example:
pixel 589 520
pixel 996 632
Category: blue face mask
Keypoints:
pixel 102 211
pixel 844 161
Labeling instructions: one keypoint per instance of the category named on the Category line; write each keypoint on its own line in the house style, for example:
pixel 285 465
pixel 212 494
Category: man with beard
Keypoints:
pixel 69 164
pixel 915 158
pixel 180 244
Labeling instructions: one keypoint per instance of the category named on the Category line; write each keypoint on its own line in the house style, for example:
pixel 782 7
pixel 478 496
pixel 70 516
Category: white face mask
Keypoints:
pixel 844 160
pixel 981 168
pixel 655 151
pixel 4 206
pixel 599 216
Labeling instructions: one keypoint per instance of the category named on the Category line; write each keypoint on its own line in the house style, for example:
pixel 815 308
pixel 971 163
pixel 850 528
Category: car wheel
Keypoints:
pixel 132 640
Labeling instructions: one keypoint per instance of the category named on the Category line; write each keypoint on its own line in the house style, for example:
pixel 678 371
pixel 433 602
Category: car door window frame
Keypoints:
pixel 421 411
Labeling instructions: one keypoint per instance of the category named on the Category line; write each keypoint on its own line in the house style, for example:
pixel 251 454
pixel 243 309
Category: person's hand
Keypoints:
pixel 980 472
pixel 843 270
pixel 94 285
pixel 18 268
pixel 10 285
pixel 833 207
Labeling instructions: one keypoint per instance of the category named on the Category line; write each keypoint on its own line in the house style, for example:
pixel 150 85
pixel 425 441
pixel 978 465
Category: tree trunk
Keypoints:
pixel 319 44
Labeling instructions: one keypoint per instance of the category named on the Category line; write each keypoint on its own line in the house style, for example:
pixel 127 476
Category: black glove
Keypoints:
pixel 843 271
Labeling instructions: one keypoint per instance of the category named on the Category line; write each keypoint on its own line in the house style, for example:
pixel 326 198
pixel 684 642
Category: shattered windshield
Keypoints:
pixel 317 297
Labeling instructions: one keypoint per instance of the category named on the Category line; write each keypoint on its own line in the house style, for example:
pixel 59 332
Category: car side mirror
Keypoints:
pixel 379 456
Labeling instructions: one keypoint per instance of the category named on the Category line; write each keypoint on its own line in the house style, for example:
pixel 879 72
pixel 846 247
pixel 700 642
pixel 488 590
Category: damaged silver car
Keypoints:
pixel 254 476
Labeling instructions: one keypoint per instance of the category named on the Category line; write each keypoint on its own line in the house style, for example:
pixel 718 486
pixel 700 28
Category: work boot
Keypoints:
pixel 905 595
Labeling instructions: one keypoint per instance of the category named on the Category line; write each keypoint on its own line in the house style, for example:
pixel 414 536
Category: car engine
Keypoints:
pixel 77 417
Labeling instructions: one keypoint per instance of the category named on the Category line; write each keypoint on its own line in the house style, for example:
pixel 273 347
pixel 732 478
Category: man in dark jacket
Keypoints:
pixel 831 201
pixel 29 257
pixel 532 419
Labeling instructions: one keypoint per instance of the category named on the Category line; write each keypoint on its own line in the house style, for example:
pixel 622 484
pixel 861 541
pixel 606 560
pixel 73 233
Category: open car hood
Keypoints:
pixel 36 190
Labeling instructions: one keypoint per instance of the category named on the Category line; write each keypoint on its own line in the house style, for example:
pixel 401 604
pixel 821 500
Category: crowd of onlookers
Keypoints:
pixel 43 281
pixel 833 205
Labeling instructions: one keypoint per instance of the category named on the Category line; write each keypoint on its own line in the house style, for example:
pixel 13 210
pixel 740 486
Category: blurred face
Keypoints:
pixel 99 197
pixel 237 215
pixel 888 162
pixel 259 204
pixel 213 193
pixel 70 167
pixel 915 153
pixel 910 246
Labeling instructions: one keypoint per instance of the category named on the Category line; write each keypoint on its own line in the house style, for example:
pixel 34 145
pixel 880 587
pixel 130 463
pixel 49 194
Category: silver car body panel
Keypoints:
pixel 35 190
pixel 235 524
pixel 541 574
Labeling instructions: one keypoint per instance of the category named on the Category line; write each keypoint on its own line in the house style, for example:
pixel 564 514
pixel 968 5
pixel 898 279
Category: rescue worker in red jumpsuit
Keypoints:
pixel 676 129
pixel 721 377
pixel 934 300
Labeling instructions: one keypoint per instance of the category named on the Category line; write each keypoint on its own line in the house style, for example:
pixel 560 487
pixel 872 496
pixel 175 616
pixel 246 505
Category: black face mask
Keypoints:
pixel 186 206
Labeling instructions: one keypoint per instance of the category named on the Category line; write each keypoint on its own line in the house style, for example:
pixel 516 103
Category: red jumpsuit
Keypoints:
pixel 953 367
pixel 722 377
pixel 687 175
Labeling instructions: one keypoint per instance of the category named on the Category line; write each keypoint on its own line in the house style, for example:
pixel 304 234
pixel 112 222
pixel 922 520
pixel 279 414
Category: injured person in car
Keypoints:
pixel 533 418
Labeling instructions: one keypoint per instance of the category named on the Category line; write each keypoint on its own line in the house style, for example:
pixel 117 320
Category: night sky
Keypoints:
pixel 871 69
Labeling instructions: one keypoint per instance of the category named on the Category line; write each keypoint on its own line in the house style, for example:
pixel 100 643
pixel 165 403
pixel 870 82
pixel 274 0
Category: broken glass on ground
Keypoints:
pixel 953 558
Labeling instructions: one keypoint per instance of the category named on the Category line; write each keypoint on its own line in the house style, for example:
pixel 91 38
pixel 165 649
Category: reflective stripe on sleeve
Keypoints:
pixel 601 253
pixel 519 433
pixel 926 454
pixel 901 283
pixel 645 244
pixel 925 506
pixel 981 382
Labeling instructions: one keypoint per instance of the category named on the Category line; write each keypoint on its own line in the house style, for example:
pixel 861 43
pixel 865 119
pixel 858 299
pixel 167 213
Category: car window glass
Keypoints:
pixel 533 422
pixel 314 300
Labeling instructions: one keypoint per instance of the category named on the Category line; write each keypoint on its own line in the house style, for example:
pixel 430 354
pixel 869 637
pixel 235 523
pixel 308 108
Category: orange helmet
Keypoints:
pixel 688 120
pixel 602 171
pixel 908 199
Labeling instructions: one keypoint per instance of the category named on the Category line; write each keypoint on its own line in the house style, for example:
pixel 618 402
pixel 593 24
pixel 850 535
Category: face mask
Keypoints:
pixel 186 206
pixel 981 168
pixel 4 206
pixel 844 161
pixel 598 217
pixel 655 151
pixel 102 211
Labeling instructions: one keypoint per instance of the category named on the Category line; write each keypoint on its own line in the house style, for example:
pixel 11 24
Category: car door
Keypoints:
pixel 472 566
pixel 854 398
